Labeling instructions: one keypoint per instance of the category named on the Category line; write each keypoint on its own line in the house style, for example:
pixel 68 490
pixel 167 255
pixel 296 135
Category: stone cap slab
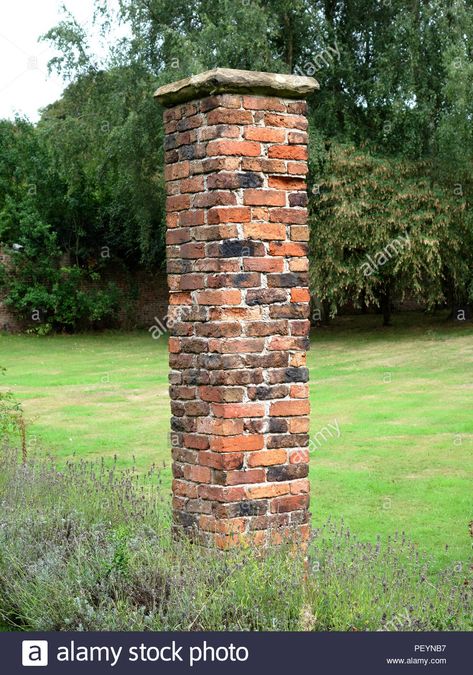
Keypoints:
pixel 230 81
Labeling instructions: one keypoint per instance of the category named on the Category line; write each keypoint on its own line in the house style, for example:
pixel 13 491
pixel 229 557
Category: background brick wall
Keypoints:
pixel 144 298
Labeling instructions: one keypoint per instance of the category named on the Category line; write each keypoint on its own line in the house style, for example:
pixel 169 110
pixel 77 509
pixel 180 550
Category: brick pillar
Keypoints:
pixel 235 167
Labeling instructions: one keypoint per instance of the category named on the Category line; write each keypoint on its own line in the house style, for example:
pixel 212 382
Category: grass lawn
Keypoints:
pixel 402 399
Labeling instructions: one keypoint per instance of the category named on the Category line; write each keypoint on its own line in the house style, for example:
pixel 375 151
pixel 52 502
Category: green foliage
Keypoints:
pixel 381 228
pixel 110 563
pixel 11 412
pixel 58 298
pixel 395 84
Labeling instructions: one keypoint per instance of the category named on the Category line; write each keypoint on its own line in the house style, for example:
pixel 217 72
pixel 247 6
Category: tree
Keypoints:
pixel 380 229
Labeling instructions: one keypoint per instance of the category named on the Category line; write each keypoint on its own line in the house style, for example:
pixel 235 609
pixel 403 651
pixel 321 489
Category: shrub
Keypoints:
pixel 12 420
pixel 110 562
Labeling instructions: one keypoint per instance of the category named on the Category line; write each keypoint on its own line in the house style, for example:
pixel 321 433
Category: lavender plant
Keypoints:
pixel 89 547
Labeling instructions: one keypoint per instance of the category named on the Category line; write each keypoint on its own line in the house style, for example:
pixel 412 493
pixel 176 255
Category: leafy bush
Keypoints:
pixel 110 562
pixel 12 421
pixel 37 288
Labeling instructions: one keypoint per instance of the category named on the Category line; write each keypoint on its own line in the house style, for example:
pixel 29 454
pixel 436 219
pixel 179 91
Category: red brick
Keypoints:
pixel 215 232
pixel 219 427
pixel 287 504
pixel 182 488
pixel 214 198
pixel 265 231
pixel 300 486
pixel 217 100
pixel 287 152
pixel 285 343
pixel 297 168
pixel 289 121
pixel 287 183
pixel 192 218
pixel 215 164
pixel 172 219
pixel 300 233
pixel 192 251
pixel 180 299
pixel 195 441
pixel 222 214
pixel 224 180
pixel 177 170
pixel 244 477
pixel 238 410
pixel 267 458
pixel 264 197
pixel 235 313
pixel 300 295
pixel 299 390
pixel 297 107
pixel 190 282
pixel 263 264
pixel 220 493
pixel 178 202
pixel 299 265
pixel 245 443
pixel 219 131
pixel 198 474
pixel 225 116
pixel 265 135
pixel 299 456
pixel 263 103
pixel 264 165
pixel 268 490
pixel 219 297
pixel 239 148
pixel 298 216
pixel 223 461
pixel 178 236
pixel 289 408
pixel 297 137
pixel 237 346
pixel 226 526
pixel 287 249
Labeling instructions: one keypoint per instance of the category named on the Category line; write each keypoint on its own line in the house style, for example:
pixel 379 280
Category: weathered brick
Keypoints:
pixel 237 214
pixel 287 152
pixel 267 457
pixel 219 297
pixel 263 103
pixel 292 503
pixel 236 410
pixel 231 147
pixel 289 408
pixel 288 215
pixel 264 197
pixel 265 135
pixel 289 121
pixel 287 183
pixel 224 461
pixel 265 231
pixel 300 295
pixel 236 246
pixel 242 443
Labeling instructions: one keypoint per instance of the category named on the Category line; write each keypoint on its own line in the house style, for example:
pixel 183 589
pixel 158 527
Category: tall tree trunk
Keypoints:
pixel 385 301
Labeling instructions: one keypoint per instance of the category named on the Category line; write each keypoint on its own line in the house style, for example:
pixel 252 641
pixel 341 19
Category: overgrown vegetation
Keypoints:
pixel 109 562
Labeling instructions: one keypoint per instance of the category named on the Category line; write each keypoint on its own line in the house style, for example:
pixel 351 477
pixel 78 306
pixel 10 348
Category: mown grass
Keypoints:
pixel 401 397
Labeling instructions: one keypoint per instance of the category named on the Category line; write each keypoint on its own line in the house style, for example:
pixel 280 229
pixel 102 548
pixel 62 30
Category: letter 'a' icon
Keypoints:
pixel 34 653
